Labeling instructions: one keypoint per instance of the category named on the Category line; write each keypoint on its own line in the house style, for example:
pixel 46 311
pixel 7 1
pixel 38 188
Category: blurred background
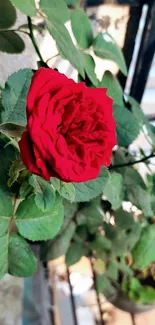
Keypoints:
pixel 60 296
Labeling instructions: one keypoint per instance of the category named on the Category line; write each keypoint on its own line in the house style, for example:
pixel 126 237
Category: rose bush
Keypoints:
pixel 70 130
pixel 64 188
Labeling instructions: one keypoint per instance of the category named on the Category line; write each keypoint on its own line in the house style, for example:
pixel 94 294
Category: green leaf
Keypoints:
pixel 22 262
pixel 72 2
pixel 136 191
pixel 16 167
pixel 87 190
pixel 81 27
pixel 81 233
pixel 106 48
pixel 89 66
pixel 119 158
pixel 7 14
pixel 3 255
pixel 139 293
pixel 112 270
pixel 141 199
pixel 124 268
pixel 104 286
pixel 69 190
pixel 126 231
pixel 99 266
pixel 56 10
pixel 66 190
pixel 101 243
pixel 74 253
pixel 16 256
pixel 127 127
pixel 14 97
pixel 35 224
pixel 92 215
pixel 5 211
pixel 12 129
pixel 144 253
pixel 133 178
pixel 66 46
pixel 125 240
pixel 25 189
pixel 124 219
pixel 55 248
pixel 69 209
pixel 10 42
pixel 114 89
pixel 114 190
pixel 7 156
pixel 141 117
pixel 44 193
pixel 39 27
pixel 27 6
pixel 147 294
pixel 151 184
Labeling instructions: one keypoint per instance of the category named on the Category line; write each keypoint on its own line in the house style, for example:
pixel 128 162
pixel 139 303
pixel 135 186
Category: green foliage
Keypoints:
pixel 92 215
pixel 56 10
pixel 124 219
pixel 143 253
pixel 140 116
pixel 69 209
pixel 7 156
pixel 5 211
pixel 88 190
pixel 138 292
pixel 15 169
pixel 3 255
pixel 126 231
pixel 141 199
pixel 7 14
pixel 21 260
pixel 64 42
pixel 44 193
pixel 59 246
pixel 114 89
pixel 101 243
pixel 114 190
pixel 75 252
pixel 133 178
pixel 112 270
pixel 27 6
pixel 10 42
pixel 72 2
pixel 127 127
pixel 14 97
pixel 66 190
pixel 106 48
pixel 89 67
pixel 81 27
pixel 84 191
pixel 104 286
pixel 35 224
pixel 12 129
pixel 16 257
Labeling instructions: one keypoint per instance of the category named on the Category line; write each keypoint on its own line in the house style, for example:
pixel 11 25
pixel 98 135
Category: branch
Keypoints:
pixel 31 34
pixel 130 163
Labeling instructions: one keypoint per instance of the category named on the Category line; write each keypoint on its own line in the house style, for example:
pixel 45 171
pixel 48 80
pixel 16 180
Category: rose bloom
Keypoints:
pixel 70 128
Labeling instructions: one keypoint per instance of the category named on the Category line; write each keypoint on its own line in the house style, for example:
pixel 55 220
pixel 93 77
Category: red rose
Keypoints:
pixel 70 130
